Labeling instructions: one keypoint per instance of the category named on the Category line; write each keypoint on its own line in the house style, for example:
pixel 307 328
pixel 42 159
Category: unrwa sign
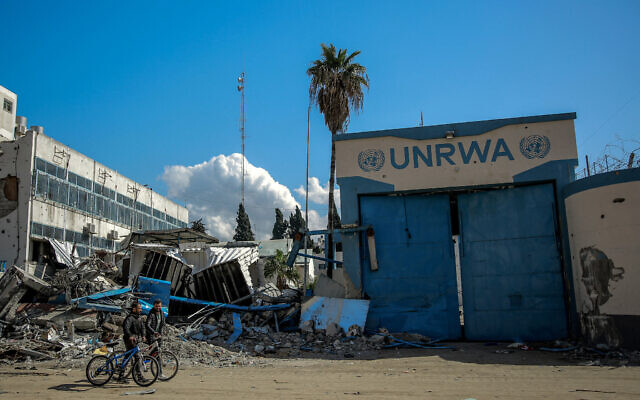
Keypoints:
pixel 533 146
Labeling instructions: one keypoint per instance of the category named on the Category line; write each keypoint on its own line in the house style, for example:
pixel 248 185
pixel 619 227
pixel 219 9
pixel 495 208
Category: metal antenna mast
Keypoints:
pixel 242 136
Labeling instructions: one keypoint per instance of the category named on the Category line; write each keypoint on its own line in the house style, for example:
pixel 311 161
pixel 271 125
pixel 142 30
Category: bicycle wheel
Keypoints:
pixel 99 370
pixel 168 365
pixel 128 367
pixel 147 373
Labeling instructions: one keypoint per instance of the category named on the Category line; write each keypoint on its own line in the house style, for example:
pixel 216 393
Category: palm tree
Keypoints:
pixel 277 266
pixel 336 88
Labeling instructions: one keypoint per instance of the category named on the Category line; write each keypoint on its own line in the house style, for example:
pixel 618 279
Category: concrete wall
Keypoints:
pixel 15 180
pixel 603 218
pixel 7 119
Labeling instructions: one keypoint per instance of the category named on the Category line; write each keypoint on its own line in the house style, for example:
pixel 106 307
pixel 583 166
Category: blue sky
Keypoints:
pixel 144 85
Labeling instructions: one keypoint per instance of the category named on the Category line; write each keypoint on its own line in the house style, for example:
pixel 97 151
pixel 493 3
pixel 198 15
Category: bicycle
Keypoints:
pixel 100 369
pixel 167 360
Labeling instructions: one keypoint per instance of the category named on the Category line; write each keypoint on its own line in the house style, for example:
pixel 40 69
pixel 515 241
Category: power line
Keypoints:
pixel 610 118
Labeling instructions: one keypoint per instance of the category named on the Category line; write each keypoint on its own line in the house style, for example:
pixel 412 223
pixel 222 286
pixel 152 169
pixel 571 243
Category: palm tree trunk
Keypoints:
pixel 332 179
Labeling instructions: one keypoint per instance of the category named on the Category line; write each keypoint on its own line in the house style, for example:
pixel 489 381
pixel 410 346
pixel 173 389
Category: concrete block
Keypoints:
pixel 327 287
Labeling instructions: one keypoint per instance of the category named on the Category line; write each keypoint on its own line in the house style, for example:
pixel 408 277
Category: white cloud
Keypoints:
pixel 212 189
pixel 317 193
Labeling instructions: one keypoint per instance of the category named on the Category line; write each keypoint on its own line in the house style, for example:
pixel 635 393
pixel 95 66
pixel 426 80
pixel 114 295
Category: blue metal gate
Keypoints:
pixel 414 289
pixel 512 284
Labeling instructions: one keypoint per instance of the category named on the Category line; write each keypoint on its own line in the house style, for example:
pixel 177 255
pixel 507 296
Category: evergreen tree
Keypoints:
pixel 296 222
pixel 198 226
pixel 280 226
pixel 243 227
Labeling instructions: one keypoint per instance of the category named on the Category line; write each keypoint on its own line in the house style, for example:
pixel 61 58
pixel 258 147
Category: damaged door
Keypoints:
pixel 414 288
pixel 512 283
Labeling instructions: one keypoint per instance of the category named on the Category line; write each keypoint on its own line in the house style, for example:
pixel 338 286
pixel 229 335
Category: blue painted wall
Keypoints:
pixel 559 173
pixel 512 280
pixel 414 290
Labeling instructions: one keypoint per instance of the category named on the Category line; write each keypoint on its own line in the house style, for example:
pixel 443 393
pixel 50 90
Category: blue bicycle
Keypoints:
pixel 100 369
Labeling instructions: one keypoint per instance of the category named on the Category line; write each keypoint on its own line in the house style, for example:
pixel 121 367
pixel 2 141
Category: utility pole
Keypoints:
pixel 242 119
pixel 588 170
pixel 306 208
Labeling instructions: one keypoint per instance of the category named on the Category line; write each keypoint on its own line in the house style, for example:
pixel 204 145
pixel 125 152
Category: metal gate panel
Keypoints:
pixel 512 285
pixel 414 288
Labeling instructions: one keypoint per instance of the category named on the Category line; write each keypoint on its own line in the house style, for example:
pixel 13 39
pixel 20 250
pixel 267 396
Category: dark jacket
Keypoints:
pixel 152 322
pixel 133 326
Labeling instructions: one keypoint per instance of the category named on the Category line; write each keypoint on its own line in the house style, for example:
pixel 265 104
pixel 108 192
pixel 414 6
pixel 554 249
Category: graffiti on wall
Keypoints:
pixel 598 274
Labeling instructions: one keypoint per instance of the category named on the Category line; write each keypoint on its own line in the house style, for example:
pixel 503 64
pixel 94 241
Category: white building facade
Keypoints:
pixel 9 100
pixel 49 190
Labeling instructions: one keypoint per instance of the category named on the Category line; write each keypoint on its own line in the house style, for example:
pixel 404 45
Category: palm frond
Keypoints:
pixel 336 86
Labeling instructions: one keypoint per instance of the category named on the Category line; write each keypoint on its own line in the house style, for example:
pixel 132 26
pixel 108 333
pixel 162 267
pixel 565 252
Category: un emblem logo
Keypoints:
pixel 535 146
pixel 371 160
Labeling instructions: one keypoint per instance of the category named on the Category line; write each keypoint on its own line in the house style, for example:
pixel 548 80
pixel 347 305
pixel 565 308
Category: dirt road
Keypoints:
pixel 473 371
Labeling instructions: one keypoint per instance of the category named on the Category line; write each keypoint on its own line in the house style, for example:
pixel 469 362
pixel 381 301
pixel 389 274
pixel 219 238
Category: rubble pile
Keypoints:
pixel 42 335
pixel 74 308
pixel 193 352
pixel 89 276
pixel 260 339
pixel 603 356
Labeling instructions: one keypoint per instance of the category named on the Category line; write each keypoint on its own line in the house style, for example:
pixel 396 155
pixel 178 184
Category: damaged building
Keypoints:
pixel 49 190
pixel 603 218
pixel 483 233
pixel 198 266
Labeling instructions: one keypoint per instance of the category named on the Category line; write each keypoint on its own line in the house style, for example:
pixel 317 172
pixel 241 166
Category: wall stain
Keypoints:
pixel 8 195
pixel 598 271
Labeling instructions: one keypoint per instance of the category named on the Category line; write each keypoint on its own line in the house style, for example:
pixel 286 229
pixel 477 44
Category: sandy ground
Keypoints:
pixel 473 371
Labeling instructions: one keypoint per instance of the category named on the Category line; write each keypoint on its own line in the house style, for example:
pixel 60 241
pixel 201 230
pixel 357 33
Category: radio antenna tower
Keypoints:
pixel 242 136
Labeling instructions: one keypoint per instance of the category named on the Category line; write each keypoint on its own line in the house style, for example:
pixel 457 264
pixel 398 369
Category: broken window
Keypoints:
pixel 82 200
pixel 52 193
pixel 51 169
pixel 41 165
pixel 7 105
pixel 73 196
pixel 63 193
pixel 42 184
pixel 36 229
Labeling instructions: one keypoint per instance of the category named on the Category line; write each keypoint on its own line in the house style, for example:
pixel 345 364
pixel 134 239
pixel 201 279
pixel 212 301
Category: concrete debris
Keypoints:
pixel 377 339
pixel 214 317
pixel 90 276
pixel 259 337
pixel 354 330
pixel 15 284
pixel 307 326
pixel 217 318
pixel 333 329
pixel 326 310
pixel 327 287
